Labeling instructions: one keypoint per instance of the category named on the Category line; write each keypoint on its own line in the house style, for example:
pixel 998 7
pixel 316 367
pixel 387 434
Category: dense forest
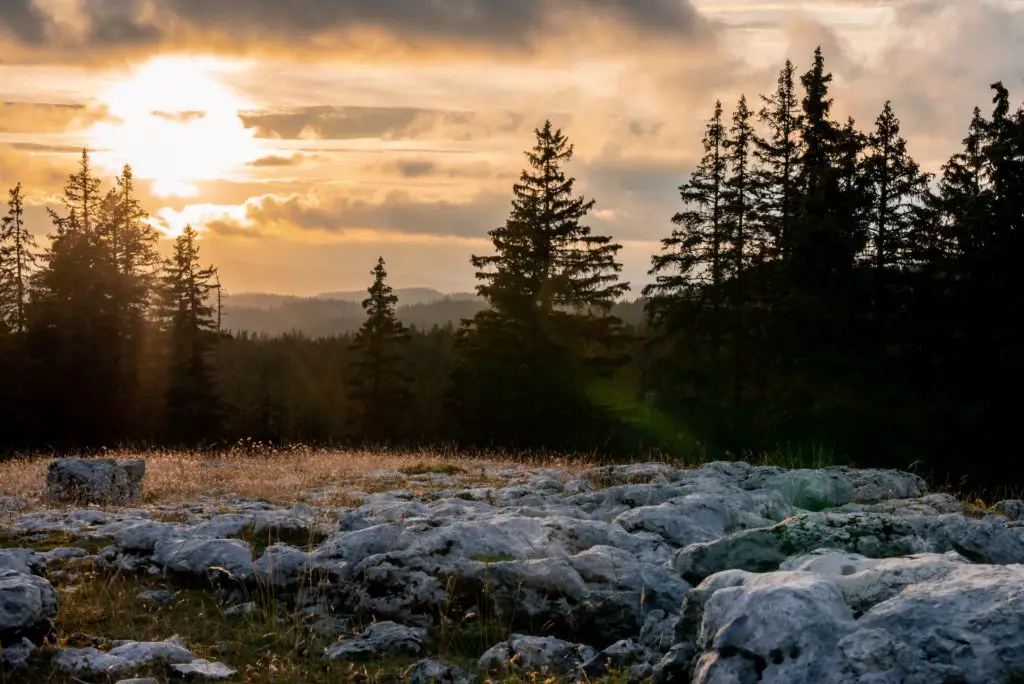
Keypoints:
pixel 817 289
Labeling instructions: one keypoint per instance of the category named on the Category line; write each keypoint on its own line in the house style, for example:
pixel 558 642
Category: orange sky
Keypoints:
pixel 304 138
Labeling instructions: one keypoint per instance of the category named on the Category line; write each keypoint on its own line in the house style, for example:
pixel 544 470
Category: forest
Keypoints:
pixel 817 291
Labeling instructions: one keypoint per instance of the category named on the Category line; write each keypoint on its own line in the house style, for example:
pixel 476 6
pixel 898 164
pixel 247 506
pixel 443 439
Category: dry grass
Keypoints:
pixel 281 477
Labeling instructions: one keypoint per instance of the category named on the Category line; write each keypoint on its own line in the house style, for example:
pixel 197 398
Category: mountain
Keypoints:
pixel 407 296
pixel 342 312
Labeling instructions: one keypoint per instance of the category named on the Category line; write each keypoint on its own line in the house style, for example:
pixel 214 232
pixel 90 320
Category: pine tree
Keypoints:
pixel 73 319
pixel 739 193
pixel 546 260
pixel 81 199
pixel 962 203
pixel 189 326
pixel 778 162
pixel 686 301
pixel 17 261
pixel 379 386
pixel 897 193
pixel 827 238
pixel 551 284
pixel 693 261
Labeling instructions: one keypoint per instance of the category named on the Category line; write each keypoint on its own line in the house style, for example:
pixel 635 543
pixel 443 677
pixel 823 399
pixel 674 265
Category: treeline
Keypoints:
pixel 819 289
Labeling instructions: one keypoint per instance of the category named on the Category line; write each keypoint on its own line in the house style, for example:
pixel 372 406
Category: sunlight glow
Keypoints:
pixel 178 124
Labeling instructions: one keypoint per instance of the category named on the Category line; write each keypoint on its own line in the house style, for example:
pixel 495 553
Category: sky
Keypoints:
pixel 305 138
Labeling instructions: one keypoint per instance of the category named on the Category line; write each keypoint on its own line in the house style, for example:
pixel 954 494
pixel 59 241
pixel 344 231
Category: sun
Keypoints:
pixel 176 124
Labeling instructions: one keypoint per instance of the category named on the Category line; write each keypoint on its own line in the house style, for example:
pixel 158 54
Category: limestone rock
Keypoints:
pixel 105 481
pixel 28 605
pixel 380 640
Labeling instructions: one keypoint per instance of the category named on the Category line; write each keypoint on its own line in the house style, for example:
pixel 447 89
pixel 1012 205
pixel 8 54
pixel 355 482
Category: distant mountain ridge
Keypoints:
pixel 337 313
pixel 407 296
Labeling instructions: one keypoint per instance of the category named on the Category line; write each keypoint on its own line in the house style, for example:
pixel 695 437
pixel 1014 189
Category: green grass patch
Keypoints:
pixel 49 541
pixel 493 557
pixel 424 469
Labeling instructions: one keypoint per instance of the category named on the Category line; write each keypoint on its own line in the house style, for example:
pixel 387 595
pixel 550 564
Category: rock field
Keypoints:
pixel 725 574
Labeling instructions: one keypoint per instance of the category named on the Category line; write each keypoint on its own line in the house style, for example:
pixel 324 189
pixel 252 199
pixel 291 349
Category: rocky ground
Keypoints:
pixel 727 573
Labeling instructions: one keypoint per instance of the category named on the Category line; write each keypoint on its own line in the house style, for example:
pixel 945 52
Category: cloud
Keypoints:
pixel 275 161
pixel 335 27
pixel 386 123
pixel 332 214
pixel 43 117
pixel 23 21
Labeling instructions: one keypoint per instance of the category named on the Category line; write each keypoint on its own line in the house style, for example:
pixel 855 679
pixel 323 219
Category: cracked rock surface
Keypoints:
pixel 724 573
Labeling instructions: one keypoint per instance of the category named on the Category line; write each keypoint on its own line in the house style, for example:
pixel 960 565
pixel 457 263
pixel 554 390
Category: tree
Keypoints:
pixel 17 261
pixel 897 192
pixel 778 161
pixel 73 321
pixel 686 301
pixel 551 284
pixel 379 385
pixel 189 326
pixel 739 193
pixel 693 260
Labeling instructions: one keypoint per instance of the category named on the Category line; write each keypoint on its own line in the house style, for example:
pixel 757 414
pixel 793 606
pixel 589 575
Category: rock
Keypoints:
pixel 380 640
pixel 28 605
pixel 203 559
pixel 103 481
pixel 435 672
pixel 963 627
pixel 531 653
pixel 1010 508
pixel 17 654
pixel 156 597
pixel 618 657
pixel 127 656
pixel 779 627
pixel 874 535
pixel 21 560
pixel 144 680
pixel 812 490
pixel 203 669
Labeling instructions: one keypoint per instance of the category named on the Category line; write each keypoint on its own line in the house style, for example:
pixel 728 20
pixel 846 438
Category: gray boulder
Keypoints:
pixel 435 672
pixel 101 481
pixel 531 653
pixel 380 640
pixel 28 605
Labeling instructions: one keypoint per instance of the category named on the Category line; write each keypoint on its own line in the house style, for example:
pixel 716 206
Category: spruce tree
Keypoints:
pixel 686 301
pixel 778 157
pixel 549 333
pixel 694 258
pixel 379 385
pixel 189 326
pixel 73 318
pixel 17 261
pixel 740 193
pixel 897 193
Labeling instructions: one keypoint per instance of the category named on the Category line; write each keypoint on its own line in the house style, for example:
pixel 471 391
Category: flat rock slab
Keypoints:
pixel 100 481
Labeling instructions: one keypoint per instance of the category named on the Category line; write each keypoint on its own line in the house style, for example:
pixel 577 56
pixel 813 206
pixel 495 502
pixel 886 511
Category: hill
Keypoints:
pixel 341 312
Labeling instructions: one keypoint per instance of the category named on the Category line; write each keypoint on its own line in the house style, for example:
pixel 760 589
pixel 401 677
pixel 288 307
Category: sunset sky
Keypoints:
pixel 305 137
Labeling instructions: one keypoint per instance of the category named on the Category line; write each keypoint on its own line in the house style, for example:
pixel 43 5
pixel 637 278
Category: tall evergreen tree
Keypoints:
pixel 693 261
pixel 550 284
pixel 73 320
pixel 379 385
pixel 778 157
pixel 740 192
pixel 189 325
pixel 897 193
pixel 17 261
pixel 686 301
